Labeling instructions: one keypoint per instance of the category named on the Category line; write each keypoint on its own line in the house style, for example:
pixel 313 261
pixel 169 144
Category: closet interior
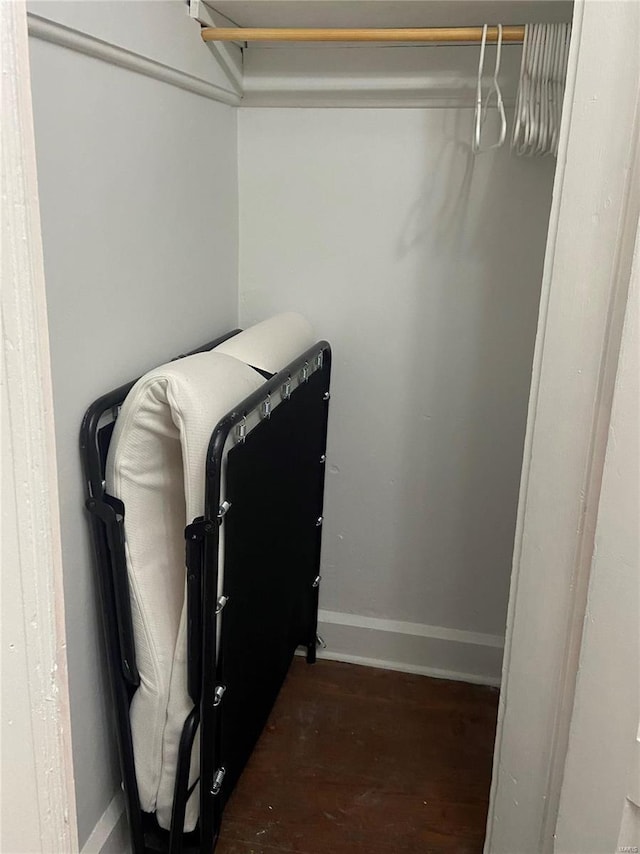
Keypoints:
pixel 389 179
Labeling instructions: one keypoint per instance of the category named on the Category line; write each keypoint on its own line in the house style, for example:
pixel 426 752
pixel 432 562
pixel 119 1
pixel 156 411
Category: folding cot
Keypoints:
pixel 205 487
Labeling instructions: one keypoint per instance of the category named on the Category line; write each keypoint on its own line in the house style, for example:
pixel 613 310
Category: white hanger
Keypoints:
pixel 520 115
pixel 480 116
pixel 564 31
pixel 533 125
pixel 543 69
pixel 549 94
pixel 543 100
pixel 549 125
pixel 523 127
pixel 558 68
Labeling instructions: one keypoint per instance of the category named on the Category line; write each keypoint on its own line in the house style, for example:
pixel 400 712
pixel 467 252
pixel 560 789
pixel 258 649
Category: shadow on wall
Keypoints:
pixel 422 265
pixel 438 213
pixel 472 318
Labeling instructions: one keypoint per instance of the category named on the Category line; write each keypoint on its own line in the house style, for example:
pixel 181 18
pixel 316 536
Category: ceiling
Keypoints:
pixel 390 13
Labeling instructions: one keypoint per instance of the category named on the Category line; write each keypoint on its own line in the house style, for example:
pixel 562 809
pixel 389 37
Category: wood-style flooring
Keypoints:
pixel 366 761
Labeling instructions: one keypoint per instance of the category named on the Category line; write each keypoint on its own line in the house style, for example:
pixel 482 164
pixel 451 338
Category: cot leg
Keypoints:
pixel 311 653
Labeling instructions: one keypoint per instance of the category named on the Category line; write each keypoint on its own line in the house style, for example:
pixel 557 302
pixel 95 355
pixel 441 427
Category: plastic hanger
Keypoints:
pixel 542 100
pixel 556 92
pixel 564 31
pixel 543 69
pixel 480 116
pixel 548 104
pixel 526 92
pixel 534 91
pixel 519 113
pixel 558 82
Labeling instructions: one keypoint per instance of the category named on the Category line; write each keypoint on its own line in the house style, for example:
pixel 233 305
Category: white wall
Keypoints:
pixel 422 266
pixel 603 760
pixel 138 192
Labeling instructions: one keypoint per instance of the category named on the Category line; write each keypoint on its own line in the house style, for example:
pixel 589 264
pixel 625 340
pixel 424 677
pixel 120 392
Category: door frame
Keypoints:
pixel 587 268
pixel 38 791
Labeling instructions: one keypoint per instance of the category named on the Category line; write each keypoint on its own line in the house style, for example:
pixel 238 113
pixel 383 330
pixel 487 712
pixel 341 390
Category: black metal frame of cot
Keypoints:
pixel 106 519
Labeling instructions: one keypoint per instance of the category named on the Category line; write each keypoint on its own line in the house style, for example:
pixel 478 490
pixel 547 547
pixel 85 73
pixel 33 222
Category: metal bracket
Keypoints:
pixel 223 509
pixel 111 512
pixel 266 407
pixel 321 642
pixel 218 694
pixel 316 581
pixel 285 390
pixel 197 530
pixel 195 535
pixel 319 359
pixel 241 430
pixel 222 601
pixel 304 373
pixel 323 458
pixel 217 781
pixel 326 396
pixel 319 521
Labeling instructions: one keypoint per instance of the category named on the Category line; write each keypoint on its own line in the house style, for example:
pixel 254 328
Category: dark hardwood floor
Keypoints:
pixel 366 761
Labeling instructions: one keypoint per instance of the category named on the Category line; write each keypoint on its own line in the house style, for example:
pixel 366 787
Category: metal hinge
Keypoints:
pixel 218 694
pixel 222 601
pixel 224 509
pixel 217 781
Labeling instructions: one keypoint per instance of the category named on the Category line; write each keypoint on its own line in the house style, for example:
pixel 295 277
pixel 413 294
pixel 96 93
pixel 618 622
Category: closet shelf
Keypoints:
pixel 435 35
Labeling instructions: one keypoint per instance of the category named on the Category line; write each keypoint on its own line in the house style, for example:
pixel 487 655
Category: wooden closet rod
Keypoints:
pixel 473 35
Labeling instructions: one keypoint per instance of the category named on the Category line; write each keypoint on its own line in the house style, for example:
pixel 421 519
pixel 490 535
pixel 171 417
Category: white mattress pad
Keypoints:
pixel 271 344
pixel 156 466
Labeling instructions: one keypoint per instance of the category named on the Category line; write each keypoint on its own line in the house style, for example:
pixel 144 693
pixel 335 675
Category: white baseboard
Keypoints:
pixel 412 647
pixel 110 835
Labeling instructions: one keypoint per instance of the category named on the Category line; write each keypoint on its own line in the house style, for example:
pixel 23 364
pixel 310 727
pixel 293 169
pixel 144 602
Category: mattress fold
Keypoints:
pixel 156 466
